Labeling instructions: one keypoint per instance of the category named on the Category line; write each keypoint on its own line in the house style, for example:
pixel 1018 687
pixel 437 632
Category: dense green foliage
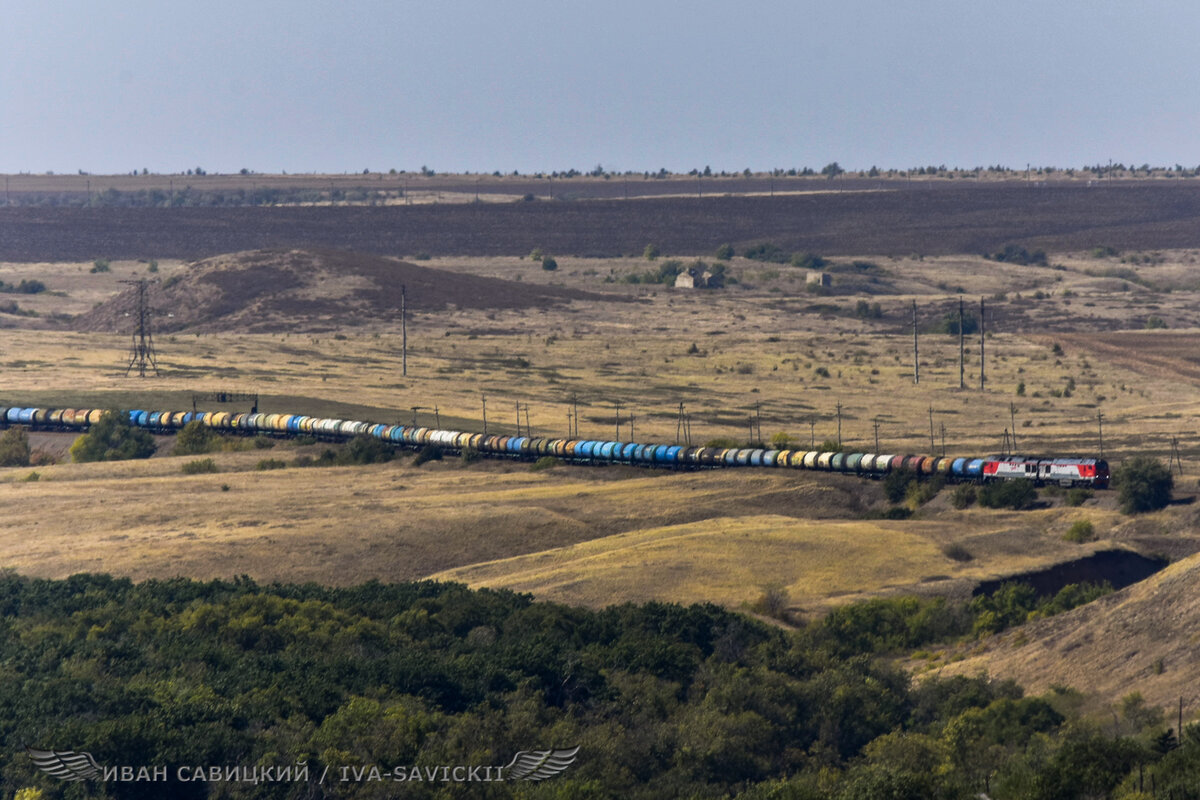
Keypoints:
pixel 112 439
pixel 1016 494
pixel 14 448
pixel 664 701
pixel 194 439
pixel 1143 484
pixel 1016 254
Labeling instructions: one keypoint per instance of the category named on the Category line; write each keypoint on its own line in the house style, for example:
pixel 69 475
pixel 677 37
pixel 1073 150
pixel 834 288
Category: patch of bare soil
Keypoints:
pixel 264 291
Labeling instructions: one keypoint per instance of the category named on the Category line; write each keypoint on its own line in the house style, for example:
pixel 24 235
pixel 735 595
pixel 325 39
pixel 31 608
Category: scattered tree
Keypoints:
pixel 112 439
pixel 1144 484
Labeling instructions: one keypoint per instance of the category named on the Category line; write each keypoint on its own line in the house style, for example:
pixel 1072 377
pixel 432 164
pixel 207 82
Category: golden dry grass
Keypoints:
pixel 759 350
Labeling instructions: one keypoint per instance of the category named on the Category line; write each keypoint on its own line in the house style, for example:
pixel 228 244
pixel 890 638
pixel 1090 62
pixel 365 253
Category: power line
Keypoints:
pixel 141 350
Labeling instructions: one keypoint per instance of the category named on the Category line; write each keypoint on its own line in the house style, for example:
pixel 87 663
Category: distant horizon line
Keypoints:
pixel 831 170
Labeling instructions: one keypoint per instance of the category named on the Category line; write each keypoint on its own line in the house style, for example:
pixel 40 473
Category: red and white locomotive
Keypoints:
pixel 1063 471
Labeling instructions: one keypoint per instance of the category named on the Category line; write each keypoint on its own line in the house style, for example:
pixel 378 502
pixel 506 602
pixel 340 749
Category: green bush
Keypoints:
pixel 430 452
pixel 1018 494
pixel 545 462
pixel 1081 531
pixel 268 464
pixel 895 485
pixel 1077 496
pixel 724 252
pixel 194 439
pixel 808 261
pixel 100 265
pixel 549 264
pixel 199 466
pixel 112 439
pixel 14 448
pixel 964 495
pixel 651 252
pixel 1143 484
pixel 956 551
pixel 920 492
pixel 767 251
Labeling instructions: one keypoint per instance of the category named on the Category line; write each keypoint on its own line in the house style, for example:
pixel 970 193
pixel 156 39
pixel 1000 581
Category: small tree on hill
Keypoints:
pixel 14 448
pixel 112 439
pixel 1144 484
pixel 193 439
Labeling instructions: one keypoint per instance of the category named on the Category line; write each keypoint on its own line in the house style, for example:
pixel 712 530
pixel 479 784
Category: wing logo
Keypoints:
pixel 537 765
pixel 65 765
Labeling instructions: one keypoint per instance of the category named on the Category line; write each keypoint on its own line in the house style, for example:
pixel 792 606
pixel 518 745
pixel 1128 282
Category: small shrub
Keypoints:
pixel 895 485
pixel 767 251
pixel 1144 484
pixel 536 254
pixel 919 493
pixel 268 463
pixel 194 439
pixel 469 455
pixel 964 496
pixel 724 252
pixel 651 252
pixel 1080 531
pixel 955 551
pixel 32 477
pixel 199 467
pixel 545 462
pixel 549 264
pixel 1018 494
pixel 821 372
pixel 14 448
pixel 100 265
pixel 1077 496
pixel 224 487
pixel 773 602
pixel 263 442
pixel 1155 322
pixel 431 452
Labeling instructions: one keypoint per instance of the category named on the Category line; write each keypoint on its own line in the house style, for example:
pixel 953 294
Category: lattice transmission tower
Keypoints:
pixel 141 350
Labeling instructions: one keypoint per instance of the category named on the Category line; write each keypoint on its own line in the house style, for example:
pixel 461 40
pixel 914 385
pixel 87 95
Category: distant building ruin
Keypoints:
pixel 820 279
pixel 697 278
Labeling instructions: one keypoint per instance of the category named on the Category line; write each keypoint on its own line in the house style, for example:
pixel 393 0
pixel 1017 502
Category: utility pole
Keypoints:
pixel 528 427
pixel 618 438
pixel 404 329
pixel 1175 453
pixel 1012 418
pixel 839 416
pixel 1100 422
pixel 631 427
pixel 961 346
pixel 943 425
pixel 141 351
pixel 679 423
pixel 981 359
pixel 812 434
pixel 484 396
pixel 932 444
pixel 575 403
pixel 877 436
pixel 518 418
pixel 916 353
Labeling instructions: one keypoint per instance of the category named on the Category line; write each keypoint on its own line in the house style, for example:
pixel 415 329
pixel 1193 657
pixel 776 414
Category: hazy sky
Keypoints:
pixel 540 85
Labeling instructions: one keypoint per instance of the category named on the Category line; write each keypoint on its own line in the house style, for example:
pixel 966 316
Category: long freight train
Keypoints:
pixel 1064 471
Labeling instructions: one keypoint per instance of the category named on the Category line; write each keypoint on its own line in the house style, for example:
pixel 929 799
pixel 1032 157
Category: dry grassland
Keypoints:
pixel 599 536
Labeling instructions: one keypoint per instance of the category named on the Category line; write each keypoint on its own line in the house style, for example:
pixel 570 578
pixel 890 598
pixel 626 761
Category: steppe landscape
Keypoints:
pixel 1101 330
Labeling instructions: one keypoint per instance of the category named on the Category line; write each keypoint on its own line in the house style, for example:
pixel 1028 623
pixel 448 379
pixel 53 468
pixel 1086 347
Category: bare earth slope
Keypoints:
pixel 302 290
